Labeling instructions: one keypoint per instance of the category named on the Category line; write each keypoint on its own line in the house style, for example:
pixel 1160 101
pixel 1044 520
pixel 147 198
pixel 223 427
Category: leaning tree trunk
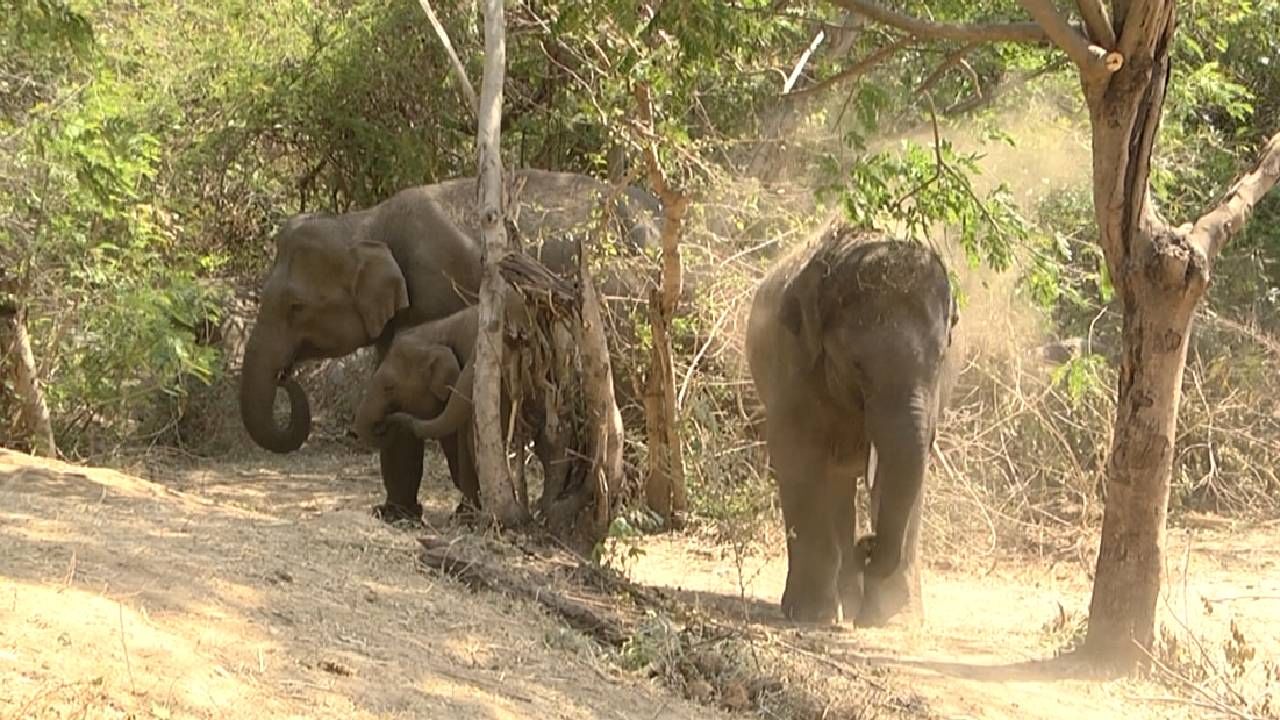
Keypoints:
pixel 497 493
pixel 33 414
pixel 665 489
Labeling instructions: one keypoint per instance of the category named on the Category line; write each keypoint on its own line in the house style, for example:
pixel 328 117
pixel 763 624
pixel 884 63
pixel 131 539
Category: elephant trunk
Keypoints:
pixel 373 408
pixel 259 380
pixel 457 412
pixel 901 430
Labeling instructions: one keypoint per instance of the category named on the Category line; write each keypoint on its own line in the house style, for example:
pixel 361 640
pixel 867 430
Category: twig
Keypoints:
pixel 459 72
pixel 128 666
pixel 972 32
pixel 950 61
pixel 859 68
pixel 1210 700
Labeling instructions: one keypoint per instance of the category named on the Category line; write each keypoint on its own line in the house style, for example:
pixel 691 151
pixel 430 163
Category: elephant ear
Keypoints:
pixel 801 310
pixel 442 370
pixel 378 287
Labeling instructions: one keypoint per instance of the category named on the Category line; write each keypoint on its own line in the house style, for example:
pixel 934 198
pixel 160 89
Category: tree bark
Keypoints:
pixel 665 489
pixel 1159 281
pixel 497 493
pixel 33 411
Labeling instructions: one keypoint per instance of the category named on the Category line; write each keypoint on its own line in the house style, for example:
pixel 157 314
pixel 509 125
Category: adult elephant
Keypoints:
pixel 340 282
pixel 846 343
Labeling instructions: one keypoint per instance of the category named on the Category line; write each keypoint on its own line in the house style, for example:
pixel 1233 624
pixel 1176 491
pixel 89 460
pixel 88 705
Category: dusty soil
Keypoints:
pixel 262 588
pixel 989 642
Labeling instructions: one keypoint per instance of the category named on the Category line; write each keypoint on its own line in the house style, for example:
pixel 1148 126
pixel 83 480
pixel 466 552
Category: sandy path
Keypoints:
pixel 253 593
pixel 984 648
pixel 263 589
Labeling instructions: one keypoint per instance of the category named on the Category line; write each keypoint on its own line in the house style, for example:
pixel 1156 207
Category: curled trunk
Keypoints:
pixel 455 414
pixel 259 380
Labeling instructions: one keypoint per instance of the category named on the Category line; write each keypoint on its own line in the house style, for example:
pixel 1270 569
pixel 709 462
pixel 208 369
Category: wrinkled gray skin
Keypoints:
pixel 417 376
pixel 340 282
pixel 846 344
pixel 424 387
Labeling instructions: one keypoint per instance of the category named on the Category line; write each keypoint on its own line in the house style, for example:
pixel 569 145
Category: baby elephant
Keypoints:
pixel 847 342
pixel 417 377
pixel 423 387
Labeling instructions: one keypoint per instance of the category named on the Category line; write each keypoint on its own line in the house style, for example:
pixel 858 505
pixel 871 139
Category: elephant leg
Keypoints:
pixel 853 560
pixel 468 478
pixel 449 446
pixel 813 553
pixel 884 598
pixel 400 460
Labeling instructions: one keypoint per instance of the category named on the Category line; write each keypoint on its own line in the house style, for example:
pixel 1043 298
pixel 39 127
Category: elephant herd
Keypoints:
pixel 847 344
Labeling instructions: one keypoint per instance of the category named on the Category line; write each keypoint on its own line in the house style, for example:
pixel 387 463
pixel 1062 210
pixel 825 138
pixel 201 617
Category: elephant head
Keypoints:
pixel 415 378
pixel 328 293
pixel 873 321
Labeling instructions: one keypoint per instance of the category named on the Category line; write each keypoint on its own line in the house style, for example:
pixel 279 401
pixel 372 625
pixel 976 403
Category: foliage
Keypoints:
pixel 910 194
pixel 113 295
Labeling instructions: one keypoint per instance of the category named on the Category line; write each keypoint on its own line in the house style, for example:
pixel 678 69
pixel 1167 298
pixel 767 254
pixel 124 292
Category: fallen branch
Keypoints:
pixel 463 563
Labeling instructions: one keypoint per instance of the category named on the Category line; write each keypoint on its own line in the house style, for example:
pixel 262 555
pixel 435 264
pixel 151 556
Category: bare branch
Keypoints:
pixel 950 61
pixel 1028 32
pixel 1089 58
pixel 459 72
pixel 1212 231
pixel 804 60
pixel 1098 22
pixel 861 67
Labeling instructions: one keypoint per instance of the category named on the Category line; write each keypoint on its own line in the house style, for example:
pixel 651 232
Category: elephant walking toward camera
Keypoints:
pixel 846 343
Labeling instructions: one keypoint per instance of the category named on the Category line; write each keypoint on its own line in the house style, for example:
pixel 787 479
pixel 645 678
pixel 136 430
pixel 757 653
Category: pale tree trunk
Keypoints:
pixel 497 493
pixel 665 489
pixel 33 411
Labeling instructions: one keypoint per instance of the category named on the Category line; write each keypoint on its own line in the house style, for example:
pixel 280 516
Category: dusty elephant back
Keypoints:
pixel 550 204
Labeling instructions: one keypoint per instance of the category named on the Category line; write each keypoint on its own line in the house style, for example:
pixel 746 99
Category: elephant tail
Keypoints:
pixel 455 413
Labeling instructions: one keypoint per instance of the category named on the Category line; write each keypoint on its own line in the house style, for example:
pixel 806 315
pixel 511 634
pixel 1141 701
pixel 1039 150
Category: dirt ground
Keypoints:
pixel 262 588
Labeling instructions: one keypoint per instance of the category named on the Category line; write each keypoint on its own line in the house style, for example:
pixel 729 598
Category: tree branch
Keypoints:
pixel 1212 231
pixel 1089 58
pixel 989 32
pixel 1098 22
pixel 861 67
pixel 950 61
pixel 459 72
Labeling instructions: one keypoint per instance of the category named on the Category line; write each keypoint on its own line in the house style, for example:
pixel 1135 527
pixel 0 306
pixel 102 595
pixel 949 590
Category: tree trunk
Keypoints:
pixel 33 414
pixel 1159 279
pixel 497 494
pixel 665 490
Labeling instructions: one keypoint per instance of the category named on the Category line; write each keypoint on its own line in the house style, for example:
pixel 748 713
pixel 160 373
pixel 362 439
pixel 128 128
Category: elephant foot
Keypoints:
pixel 812 610
pixel 882 601
pixel 397 515
pixel 466 514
